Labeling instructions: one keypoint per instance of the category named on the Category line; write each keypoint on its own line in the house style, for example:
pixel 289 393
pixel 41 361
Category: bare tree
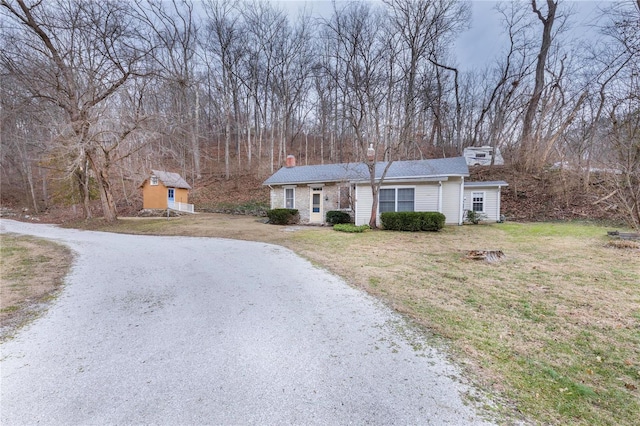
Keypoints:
pixel 224 39
pixel 623 141
pixel 22 136
pixel 502 80
pixel 74 55
pixel 267 30
pixel 356 30
pixel 621 152
pixel 528 148
pixel 175 38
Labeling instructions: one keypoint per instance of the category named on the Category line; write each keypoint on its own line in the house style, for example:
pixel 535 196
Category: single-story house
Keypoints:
pixel 421 185
pixel 162 190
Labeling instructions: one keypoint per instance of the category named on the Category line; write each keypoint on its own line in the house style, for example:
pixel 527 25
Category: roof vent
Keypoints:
pixel 291 161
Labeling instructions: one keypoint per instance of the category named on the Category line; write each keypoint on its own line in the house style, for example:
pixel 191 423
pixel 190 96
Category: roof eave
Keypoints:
pixel 481 184
pixel 306 182
pixel 434 178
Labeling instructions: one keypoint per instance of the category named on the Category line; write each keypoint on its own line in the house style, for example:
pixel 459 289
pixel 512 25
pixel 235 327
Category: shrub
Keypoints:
pixel 283 216
pixel 475 217
pixel 412 221
pixel 335 217
pixel 350 227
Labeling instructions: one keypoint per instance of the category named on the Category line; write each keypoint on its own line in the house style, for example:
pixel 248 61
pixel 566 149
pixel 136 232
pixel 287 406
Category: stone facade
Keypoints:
pixel 330 199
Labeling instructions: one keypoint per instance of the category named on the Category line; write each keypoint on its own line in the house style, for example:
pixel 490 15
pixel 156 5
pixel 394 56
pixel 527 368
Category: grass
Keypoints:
pixel 32 270
pixel 553 329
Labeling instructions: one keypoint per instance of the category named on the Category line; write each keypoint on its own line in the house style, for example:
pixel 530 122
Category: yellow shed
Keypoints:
pixel 164 190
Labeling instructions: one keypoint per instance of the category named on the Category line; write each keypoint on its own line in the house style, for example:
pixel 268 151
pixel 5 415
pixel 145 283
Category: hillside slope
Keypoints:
pixel 547 196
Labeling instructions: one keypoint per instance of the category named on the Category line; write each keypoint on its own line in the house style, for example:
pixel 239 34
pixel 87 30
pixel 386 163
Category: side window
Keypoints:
pixel 289 198
pixel 153 181
pixel 477 201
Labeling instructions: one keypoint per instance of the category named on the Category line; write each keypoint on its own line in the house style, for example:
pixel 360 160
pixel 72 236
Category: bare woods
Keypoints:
pixel 96 93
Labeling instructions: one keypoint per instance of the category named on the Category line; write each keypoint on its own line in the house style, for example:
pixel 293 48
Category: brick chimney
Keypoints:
pixel 291 161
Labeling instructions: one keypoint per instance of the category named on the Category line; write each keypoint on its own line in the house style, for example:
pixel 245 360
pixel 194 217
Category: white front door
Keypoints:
pixel 171 197
pixel 315 209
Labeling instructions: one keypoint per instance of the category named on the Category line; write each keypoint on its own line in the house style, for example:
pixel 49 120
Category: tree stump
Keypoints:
pixel 486 255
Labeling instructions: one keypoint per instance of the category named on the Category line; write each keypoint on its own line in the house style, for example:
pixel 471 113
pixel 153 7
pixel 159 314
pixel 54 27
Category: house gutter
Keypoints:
pixel 407 179
pixel 440 197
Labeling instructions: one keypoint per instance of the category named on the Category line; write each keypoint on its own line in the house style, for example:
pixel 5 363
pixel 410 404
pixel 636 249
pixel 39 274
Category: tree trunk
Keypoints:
pixel 373 219
pixel 527 158
pixel 109 210
pixel 195 142
pixel 82 177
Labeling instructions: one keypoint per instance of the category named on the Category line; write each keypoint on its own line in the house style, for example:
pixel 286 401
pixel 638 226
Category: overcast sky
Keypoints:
pixel 480 45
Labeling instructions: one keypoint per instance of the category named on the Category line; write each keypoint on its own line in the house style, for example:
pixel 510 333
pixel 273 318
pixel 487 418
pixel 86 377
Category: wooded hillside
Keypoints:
pixel 96 94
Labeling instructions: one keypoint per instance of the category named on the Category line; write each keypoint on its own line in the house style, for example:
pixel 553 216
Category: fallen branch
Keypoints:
pixel 605 198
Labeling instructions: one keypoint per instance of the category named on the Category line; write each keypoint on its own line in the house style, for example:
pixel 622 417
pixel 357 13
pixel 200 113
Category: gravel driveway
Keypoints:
pixel 179 330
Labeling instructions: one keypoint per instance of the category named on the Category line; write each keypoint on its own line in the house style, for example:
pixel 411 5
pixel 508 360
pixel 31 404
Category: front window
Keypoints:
pixel 387 200
pixel 405 199
pixel 477 201
pixel 396 200
pixel 289 197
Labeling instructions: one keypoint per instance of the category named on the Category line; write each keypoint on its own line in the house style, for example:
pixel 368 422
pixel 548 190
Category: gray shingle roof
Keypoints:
pixel 172 180
pixel 415 169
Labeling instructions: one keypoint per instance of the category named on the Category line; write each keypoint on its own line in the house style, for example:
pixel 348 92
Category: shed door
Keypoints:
pixel 315 209
pixel 171 196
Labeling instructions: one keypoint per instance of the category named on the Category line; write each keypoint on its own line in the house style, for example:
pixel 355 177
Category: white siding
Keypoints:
pixel 451 200
pixel 364 199
pixel 427 197
pixel 491 200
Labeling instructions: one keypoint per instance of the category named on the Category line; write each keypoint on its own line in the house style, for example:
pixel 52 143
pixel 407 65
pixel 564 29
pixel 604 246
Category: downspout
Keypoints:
pixel 461 208
pixel 499 197
pixel 440 196
pixel 355 205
